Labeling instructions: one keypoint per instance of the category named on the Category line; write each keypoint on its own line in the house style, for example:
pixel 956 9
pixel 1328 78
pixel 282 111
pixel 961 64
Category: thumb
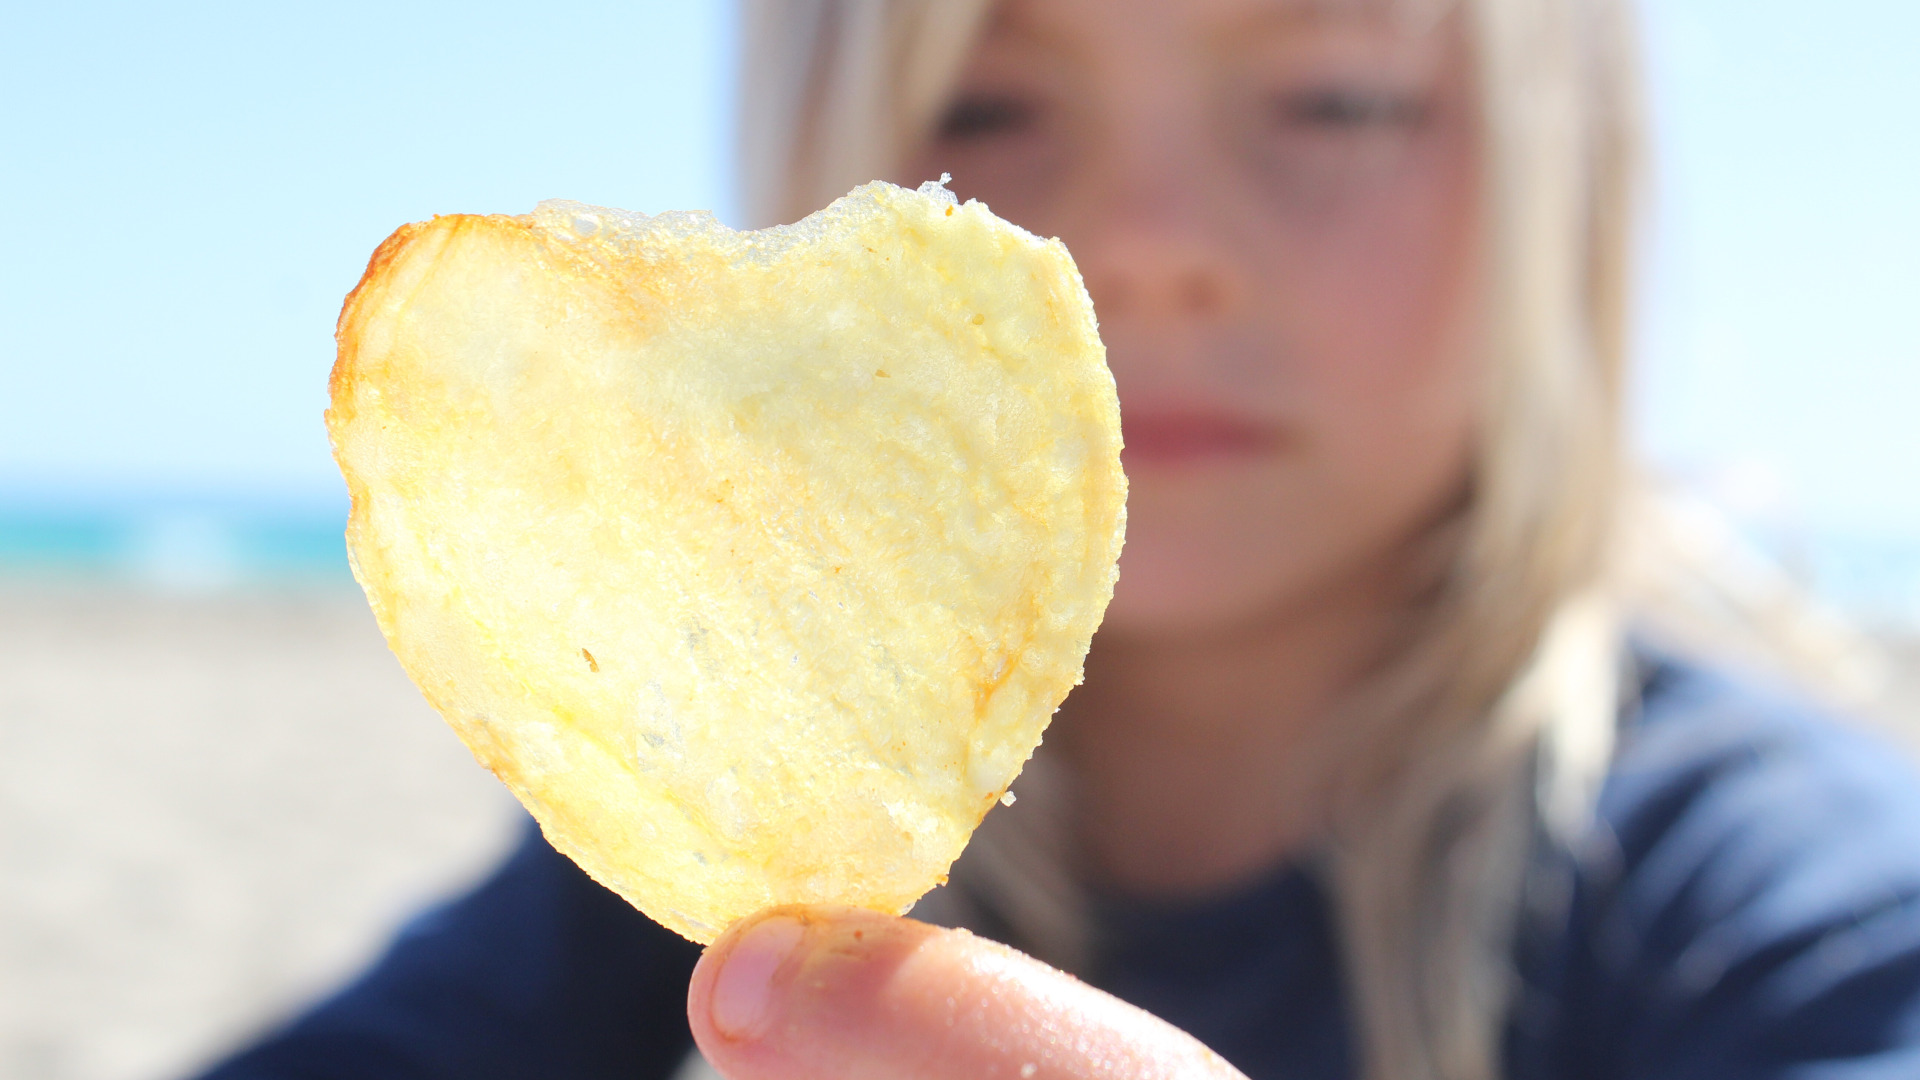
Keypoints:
pixel 833 993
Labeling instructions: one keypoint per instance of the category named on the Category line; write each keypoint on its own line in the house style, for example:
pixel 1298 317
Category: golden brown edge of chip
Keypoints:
pixel 341 384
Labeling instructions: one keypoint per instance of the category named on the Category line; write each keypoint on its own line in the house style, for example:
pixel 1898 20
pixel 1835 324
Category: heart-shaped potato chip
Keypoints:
pixel 754 563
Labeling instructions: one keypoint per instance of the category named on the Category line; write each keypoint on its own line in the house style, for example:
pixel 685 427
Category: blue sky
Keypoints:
pixel 1780 352
pixel 192 188
pixel 191 191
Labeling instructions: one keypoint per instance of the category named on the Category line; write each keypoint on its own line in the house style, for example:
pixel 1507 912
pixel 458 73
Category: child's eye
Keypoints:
pixel 976 116
pixel 1345 109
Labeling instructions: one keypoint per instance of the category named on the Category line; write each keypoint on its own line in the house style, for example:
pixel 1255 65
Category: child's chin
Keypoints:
pixel 1150 604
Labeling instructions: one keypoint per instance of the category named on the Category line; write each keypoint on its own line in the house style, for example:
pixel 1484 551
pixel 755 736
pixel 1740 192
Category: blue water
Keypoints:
pixel 175 543
pixel 208 543
pixel 1874 579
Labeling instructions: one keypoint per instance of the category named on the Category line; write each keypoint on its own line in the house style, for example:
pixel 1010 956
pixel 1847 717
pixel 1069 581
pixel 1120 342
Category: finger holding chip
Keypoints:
pixel 843 994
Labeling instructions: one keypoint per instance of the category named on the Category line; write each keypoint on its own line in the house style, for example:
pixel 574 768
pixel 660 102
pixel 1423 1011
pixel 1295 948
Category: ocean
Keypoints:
pixel 192 543
pixel 216 543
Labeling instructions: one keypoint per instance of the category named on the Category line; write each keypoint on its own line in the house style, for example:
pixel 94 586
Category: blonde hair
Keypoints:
pixel 1496 725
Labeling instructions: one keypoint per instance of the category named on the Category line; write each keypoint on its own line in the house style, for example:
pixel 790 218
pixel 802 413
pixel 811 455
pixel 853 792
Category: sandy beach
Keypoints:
pixel 214 807
pixel 211 809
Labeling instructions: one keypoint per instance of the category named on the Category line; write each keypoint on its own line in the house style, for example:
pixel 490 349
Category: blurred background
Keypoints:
pixel 218 793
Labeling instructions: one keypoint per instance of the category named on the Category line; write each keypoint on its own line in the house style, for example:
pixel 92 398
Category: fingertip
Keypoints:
pixel 825 993
pixel 746 981
pixel 722 994
pixel 741 996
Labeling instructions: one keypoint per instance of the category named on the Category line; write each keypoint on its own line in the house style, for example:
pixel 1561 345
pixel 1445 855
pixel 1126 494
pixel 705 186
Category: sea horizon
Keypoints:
pixel 224 539
pixel 189 540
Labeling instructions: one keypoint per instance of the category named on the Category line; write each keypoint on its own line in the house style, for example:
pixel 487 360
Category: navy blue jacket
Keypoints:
pixel 1747 906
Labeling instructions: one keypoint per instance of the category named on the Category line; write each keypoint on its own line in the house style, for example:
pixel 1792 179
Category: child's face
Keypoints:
pixel 1274 203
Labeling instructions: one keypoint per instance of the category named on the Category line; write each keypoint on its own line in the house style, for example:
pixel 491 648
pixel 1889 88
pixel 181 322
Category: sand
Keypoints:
pixel 211 809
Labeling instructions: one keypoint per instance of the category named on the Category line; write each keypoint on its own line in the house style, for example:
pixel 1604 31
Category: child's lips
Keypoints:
pixel 1195 437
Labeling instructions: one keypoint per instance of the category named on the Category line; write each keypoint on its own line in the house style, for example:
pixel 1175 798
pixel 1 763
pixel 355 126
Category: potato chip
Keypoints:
pixel 754 563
